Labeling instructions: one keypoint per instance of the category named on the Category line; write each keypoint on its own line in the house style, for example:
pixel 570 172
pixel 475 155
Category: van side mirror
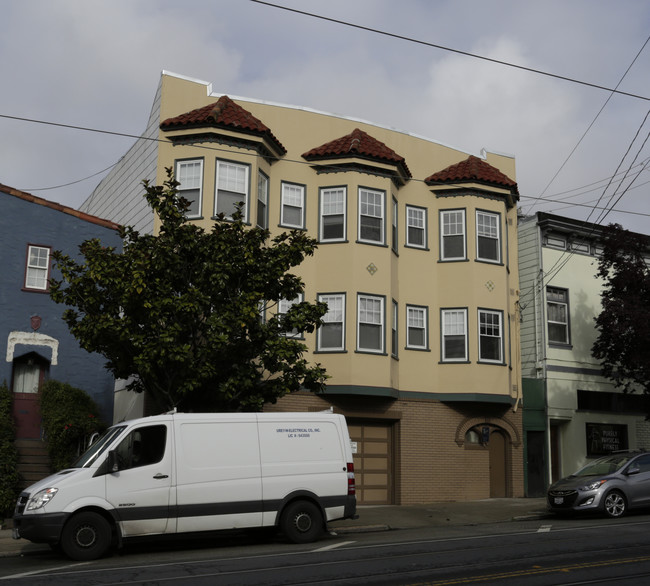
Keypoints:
pixel 113 462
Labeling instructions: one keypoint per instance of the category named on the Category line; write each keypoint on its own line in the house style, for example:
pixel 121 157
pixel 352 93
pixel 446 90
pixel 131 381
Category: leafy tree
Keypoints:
pixel 624 321
pixel 180 313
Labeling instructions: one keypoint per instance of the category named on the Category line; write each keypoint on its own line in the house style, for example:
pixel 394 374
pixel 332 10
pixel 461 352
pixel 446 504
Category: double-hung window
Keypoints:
pixel 454 335
pixel 284 305
pixel 232 188
pixel 371 216
pixel 292 214
pixel 416 330
pixel 490 348
pixel 38 268
pixel 333 203
pixel 557 311
pixel 393 333
pixel 452 235
pixel 488 241
pixel 370 323
pixel 262 200
pixel 190 176
pixel 416 227
pixel 331 333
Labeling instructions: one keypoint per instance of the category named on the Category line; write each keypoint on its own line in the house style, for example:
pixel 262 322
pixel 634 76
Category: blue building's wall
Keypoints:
pixel 22 223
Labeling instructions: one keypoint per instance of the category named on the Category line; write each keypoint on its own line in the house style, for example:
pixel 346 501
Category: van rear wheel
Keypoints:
pixel 86 536
pixel 302 522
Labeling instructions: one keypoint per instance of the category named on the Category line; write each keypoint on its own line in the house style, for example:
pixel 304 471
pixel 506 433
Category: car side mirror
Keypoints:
pixel 113 462
pixel 632 471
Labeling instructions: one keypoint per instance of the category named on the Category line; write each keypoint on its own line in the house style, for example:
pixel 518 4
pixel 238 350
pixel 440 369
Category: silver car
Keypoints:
pixel 612 484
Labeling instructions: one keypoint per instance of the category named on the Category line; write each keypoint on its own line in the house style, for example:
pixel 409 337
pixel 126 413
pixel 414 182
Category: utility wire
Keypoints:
pixel 457 51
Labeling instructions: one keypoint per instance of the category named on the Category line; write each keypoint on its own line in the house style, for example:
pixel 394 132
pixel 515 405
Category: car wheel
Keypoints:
pixel 615 504
pixel 86 536
pixel 302 522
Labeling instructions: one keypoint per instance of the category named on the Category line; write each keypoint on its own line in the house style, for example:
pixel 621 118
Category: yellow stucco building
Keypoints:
pixel 417 260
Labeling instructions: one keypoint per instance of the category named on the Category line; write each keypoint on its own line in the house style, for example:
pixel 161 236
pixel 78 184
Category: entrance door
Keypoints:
pixel 497 447
pixel 28 375
pixel 535 459
pixel 372 462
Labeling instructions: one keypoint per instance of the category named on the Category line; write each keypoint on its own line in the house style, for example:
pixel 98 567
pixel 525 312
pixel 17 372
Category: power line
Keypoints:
pixel 457 51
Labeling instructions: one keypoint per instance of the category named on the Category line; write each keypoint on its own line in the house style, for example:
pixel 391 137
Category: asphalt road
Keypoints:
pixel 542 552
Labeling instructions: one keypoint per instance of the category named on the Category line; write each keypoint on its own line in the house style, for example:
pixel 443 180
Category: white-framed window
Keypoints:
pixel 232 188
pixel 333 205
pixel 394 242
pixel 190 176
pixel 262 200
pixel 283 307
pixel 331 333
pixel 292 213
pixel 488 236
pixel 371 216
pixel 452 235
pixel 393 333
pixel 416 327
pixel 557 314
pixel 490 336
pixel 370 323
pixel 454 335
pixel 416 227
pixel 37 271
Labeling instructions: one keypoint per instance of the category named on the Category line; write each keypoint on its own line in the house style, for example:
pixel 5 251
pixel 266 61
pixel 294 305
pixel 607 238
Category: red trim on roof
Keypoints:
pixel 472 169
pixel 225 114
pixel 58 207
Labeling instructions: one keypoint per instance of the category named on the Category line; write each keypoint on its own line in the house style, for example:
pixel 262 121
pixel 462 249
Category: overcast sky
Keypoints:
pixel 96 64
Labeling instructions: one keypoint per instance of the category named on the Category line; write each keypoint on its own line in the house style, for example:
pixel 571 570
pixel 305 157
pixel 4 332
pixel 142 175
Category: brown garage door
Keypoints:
pixel 372 462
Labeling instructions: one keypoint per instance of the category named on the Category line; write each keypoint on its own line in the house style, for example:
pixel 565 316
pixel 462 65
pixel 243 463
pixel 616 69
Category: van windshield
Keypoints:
pixel 90 455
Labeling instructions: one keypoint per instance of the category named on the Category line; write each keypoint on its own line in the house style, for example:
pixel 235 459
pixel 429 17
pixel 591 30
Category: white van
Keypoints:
pixel 182 473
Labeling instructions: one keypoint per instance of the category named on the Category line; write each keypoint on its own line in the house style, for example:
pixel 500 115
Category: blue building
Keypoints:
pixel 35 342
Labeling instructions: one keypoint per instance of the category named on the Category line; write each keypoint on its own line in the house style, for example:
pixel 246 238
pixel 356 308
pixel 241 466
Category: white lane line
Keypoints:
pixel 334 546
pixel 544 529
pixel 35 572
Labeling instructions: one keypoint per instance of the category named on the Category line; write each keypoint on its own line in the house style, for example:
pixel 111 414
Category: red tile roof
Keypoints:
pixel 472 169
pixel 223 114
pixel 58 207
pixel 358 143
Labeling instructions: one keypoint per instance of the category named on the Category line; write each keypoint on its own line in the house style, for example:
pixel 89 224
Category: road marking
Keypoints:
pixel 544 529
pixel 25 574
pixel 334 546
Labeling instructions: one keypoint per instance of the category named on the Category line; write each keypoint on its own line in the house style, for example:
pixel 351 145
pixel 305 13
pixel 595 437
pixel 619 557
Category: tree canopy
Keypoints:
pixel 624 321
pixel 190 316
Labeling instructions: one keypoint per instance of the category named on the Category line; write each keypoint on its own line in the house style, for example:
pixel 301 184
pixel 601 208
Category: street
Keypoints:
pixel 547 552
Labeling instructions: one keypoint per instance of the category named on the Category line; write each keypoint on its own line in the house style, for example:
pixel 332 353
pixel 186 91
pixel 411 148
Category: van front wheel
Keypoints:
pixel 302 522
pixel 86 536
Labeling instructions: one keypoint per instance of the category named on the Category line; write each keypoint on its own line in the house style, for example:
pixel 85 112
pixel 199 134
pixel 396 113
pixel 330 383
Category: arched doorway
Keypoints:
pixel 29 372
pixel 498 464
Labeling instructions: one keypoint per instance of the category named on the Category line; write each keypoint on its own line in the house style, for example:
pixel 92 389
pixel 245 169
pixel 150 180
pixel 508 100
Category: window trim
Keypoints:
pixel 382 324
pixel 319 346
pixel 262 175
pixel 501 358
pixel 47 268
pixel 322 215
pixel 394 330
pixel 394 227
pixel 567 325
pixel 425 328
pixel 443 334
pixel 382 194
pixel 247 187
pixel 499 239
pixel 424 228
pixel 442 215
pixel 303 200
pixel 177 164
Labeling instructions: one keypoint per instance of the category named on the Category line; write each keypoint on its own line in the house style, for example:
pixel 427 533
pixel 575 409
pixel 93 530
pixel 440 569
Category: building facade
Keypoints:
pixel 417 261
pixel 572 413
pixel 34 340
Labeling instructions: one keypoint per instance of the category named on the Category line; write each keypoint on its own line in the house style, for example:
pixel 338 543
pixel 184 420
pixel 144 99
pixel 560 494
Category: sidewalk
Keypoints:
pixel 381 518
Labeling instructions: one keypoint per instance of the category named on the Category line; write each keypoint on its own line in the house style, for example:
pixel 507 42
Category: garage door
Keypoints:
pixel 372 462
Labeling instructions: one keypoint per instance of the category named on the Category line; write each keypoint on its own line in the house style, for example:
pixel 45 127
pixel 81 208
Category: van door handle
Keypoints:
pixel 160 476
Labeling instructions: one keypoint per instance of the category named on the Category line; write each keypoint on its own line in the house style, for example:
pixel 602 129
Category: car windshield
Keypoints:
pixel 90 455
pixel 606 465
